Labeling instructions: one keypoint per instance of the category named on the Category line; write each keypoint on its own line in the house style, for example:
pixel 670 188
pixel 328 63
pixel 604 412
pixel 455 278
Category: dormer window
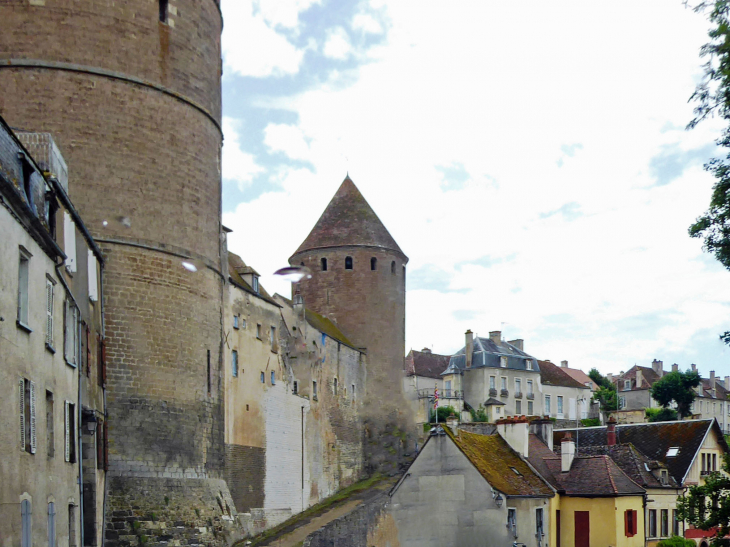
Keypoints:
pixel 348 263
pixel 503 362
pixel 528 362
pixel 255 284
pixel 627 385
pixel 664 476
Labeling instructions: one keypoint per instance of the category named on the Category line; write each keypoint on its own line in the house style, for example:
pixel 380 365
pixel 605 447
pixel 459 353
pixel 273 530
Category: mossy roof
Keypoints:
pixel 502 467
pixel 237 265
pixel 323 325
pixel 349 220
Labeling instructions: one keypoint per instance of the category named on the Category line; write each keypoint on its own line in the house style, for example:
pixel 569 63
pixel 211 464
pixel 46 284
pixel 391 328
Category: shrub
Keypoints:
pixel 676 541
pixel 479 415
pixel 660 414
pixel 443 413
pixel 590 422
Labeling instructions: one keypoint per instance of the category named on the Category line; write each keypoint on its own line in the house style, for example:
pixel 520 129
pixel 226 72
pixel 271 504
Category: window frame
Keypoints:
pixel 349 263
pixel 323 264
pixel 547 404
pixel 652 524
pixel 23 311
pixel 234 363
pixel 50 301
pixel 373 264
pixel 664 523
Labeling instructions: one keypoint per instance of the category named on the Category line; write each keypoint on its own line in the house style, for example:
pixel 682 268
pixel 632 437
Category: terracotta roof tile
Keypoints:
pixel 553 375
pixel 592 476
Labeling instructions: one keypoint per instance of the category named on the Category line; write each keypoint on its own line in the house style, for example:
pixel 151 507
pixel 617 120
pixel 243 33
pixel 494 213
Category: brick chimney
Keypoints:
pixel 658 367
pixel 496 336
pixel 611 431
pixel 515 431
pixel 639 378
pixel 564 364
pixel 567 453
pixel 713 386
pixel 469 347
pixel 675 367
pixel 519 343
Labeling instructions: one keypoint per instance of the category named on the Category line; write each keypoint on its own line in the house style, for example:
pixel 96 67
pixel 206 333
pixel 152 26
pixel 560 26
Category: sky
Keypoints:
pixel 530 158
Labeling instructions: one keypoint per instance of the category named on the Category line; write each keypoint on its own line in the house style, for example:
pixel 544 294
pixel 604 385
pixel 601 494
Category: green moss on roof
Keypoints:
pixel 322 324
pixel 497 462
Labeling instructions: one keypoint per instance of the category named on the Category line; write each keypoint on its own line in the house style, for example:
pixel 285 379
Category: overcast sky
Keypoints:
pixel 530 158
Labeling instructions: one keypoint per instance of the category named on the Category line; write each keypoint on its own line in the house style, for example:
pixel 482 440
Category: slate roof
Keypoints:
pixel 648 378
pixel 720 391
pixel 488 354
pixel 632 462
pixel 236 265
pixel 425 363
pixel 496 462
pixel 653 440
pixel 493 401
pixel 349 220
pixel 554 375
pixel 322 324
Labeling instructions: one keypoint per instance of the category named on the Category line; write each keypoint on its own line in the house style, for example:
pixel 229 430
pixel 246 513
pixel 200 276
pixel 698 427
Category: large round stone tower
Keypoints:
pixel 131 92
pixel 359 281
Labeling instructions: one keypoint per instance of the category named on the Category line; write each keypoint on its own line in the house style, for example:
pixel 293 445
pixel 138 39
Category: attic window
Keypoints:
pixel 373 263
pixel 324 264
pixel 255 284
pixel 672 452
pixel 528 362
pixel 516 471
pixel 348 263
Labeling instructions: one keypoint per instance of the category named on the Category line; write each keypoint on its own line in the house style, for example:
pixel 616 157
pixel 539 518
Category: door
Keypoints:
pixel 571 409
pixel 582 529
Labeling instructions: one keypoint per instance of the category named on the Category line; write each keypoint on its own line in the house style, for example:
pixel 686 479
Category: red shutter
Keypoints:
pixel 634 522
pixel 627 523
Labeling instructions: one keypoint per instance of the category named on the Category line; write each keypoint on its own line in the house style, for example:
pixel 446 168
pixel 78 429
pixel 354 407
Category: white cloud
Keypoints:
pixel 237 164
pixel 251 47
pixel 366 23
pixel 610 281
pixel 338 44
pixel 284 13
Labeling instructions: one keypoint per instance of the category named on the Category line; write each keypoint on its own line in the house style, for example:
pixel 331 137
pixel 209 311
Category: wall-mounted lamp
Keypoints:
pixel 498 499
pixel 90 422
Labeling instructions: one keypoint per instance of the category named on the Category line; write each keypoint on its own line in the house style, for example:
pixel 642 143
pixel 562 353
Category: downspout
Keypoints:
pixel 646 515
pixel 103 394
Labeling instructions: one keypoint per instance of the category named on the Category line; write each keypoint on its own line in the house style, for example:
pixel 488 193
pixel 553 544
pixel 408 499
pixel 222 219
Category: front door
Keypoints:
pixel 582 529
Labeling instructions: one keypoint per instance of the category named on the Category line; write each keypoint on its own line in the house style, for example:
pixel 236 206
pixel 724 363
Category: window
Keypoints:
pixel 23 275
pixel 447 385
pixel 518 387
pixel 163 11
pixel 547 404
pixel 71 525
pixel 50 440
pixel 208 378
pixel 630 523
pixel 503 362
pixel 26 392
pixel 49 312
pixel 652 523
pixel 529 387
pixel 69 419
pixel 518 407
pixel 373 263
pixel 295 389
pixel 258 331
pixel 242 323
pixel 675 523
pixel 314 389
pixel 273 378
pixel 352 392
pixel 93 280
pixel 25 520
pixel 51 524
pixel 392 268
pixel 323 263
pixel 504 383
pixel 496 409
pixel 530 408
pixel 560 404
pixel 621 402
pixel 234 363
pixel 664 477
pixel 69 242
pixel 272 337
pixel 348 263
pixel 539 523
pixel 492 384
pixel 627 385
pixel 71 330
pixel 714 462
pixel 235 322
pixel 528 364
pixel 512 521
pixel 334 386
pixel 263 377
pixel 665 523
pixel 256 284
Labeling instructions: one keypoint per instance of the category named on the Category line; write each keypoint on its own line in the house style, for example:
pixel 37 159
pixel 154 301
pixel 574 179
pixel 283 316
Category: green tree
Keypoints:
pixel 660 414
pixel 599 378
pixel 676 387
pixel 676 541
pixel 712 98
pixel 443 413
pixel 708 506
pixel 607 397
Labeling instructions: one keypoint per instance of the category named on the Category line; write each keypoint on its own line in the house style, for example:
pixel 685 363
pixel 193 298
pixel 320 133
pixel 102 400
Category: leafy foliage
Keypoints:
pixel 590 422
pixel 599 378
pixel 676 541
pixel 660 414
pixel 708 506
pixel 478 415
pixel 606 392
pixel 443 413
pixel 712 97
pixel 677 387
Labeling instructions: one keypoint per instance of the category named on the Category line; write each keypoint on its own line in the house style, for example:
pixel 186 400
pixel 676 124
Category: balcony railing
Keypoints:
pixel 530 395
pixel 518 395
pixel 443 394
pixel 492 392
pixel 504 393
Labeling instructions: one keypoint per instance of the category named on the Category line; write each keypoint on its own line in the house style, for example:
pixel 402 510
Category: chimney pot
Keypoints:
pixel 658 367
pixel 469 347
pixel 611 431
pixel 675 367
pixel 694 367
pixel 496 336
pixel 426 350
pixel 564 364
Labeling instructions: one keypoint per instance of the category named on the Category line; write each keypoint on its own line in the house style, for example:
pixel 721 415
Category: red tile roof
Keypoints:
pixel 554 375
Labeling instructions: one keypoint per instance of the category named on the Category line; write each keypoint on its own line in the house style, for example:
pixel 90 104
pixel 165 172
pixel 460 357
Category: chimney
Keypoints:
pixel 694 367
pixel 519 344
pixel 567 453
pixel 426 350
pixel 611 431
pixel 453 423
pixel 609 377
pixel 469 347
pixel 713 385
pixel 496 336
pixel 675 367
pixel 639 378
pixel 543 428
pixel 564 364
pixel 727 383
pixel 516 432
pixel 658 367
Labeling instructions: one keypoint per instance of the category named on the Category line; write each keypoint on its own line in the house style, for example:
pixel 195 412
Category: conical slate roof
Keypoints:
pixel 348 220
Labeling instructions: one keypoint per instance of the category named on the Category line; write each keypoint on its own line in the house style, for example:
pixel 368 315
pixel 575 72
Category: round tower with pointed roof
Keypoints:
pixel 359 281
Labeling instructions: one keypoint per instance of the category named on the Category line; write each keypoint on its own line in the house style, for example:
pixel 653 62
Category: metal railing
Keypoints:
pixel 443 394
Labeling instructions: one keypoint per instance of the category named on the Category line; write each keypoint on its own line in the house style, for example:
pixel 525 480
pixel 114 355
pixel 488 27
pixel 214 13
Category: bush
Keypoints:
pixel 660 414
pixel 590 422
pixel 676 541
pixel 479 415
pixel 443 413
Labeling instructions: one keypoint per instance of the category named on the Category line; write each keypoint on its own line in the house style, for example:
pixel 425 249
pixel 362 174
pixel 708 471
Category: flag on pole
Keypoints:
pixel 436 398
